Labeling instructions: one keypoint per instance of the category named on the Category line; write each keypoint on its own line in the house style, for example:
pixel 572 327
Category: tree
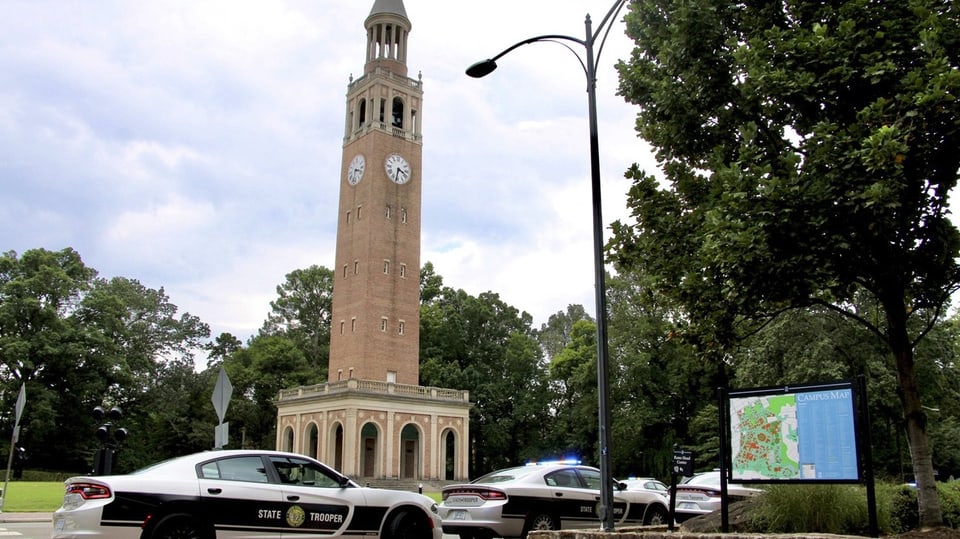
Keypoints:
pixel 79 341
pixel 302 311
pixel 573 373
pixel 258 372
pixel 808 150
pixel 221 348
pixel 487 347
pixel 555 334
pixel 658 383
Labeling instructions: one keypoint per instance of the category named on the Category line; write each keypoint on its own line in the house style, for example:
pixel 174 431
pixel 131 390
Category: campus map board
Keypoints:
pixel 803 434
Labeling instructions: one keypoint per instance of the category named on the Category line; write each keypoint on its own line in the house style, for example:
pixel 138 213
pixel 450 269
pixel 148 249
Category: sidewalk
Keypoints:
pixel 26 517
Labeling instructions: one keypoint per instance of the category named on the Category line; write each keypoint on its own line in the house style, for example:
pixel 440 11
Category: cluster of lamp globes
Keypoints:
pixel 104 430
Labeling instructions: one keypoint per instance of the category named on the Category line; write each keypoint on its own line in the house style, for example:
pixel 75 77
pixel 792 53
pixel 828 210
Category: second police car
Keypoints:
pixel 239 494
pixel 514 501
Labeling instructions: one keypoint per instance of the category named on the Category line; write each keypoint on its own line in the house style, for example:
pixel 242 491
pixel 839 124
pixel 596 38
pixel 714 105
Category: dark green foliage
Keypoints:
pixel 842 509
pixel 487 347
pixel 902 507
pixel 807 152
pixel 78 341
pixel 836 509
pixel 950 503
pixel 302 312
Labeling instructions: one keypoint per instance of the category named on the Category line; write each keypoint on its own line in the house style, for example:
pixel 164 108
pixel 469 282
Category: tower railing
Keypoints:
pixel 374 387
pixel 383 126
pixel 387 74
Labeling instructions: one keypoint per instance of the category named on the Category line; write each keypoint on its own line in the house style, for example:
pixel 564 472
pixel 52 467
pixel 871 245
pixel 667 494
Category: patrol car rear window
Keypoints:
pixel 502 476
pixel 248 469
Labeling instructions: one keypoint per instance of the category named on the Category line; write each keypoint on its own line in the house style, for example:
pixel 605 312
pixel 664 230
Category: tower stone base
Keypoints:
pixel 374 431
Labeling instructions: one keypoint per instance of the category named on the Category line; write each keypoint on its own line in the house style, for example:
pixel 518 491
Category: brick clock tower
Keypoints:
pixel 372 420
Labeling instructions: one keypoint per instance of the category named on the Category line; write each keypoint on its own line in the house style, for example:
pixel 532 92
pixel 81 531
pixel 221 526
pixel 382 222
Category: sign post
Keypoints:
pixel 682 466
pixel 18 411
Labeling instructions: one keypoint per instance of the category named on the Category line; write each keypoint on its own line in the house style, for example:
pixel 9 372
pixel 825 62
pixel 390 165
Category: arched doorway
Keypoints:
pixel 313 440
pixel 336 449
pixel 410 452
pixel 449 455
pixel 287 439
pixel 369 437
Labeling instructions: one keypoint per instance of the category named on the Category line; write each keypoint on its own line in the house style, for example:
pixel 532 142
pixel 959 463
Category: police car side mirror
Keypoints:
pixel 621 486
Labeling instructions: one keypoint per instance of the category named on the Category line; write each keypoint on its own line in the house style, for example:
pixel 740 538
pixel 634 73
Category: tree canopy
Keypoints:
pixel 807 153
pixel 77 341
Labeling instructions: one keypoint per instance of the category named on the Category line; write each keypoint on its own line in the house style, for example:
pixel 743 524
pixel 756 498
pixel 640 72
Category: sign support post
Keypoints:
pixel 18 411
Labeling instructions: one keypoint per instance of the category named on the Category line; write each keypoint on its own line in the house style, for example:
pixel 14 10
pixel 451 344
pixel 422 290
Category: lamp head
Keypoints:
pixel 481 68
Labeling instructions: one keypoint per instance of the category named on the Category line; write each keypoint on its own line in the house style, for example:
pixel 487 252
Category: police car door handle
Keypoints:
pixel 292 498
pixel 558 494
pixel 213 490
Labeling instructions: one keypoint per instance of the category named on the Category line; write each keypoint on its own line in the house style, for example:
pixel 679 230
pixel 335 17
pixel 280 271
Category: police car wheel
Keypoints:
pixel 656 516
pixel 541 521
pixel 407 524
pixel 178 526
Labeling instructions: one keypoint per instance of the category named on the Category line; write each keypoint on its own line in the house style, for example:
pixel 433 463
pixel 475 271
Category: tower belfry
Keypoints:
pixel 372 420
pixel 376 292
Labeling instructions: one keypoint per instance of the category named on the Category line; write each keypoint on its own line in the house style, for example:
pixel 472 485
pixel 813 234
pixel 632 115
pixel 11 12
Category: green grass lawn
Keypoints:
pixel 32 496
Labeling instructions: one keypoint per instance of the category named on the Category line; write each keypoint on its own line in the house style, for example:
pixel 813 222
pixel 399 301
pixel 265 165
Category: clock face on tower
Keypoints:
pixel 398 170
pixel 355 170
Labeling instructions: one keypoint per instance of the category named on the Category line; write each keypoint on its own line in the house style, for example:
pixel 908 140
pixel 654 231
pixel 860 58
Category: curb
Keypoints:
pixel 26 517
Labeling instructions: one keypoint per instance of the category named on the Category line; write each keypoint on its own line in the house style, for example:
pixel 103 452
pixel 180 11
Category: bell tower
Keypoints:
pixel 372 420
pixel 376 291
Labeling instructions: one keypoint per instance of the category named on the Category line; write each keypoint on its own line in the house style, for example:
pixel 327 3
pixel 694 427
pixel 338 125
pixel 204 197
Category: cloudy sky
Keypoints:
pixel 196 146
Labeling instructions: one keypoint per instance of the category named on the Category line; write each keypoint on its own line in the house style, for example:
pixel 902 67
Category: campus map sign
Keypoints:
pixel 796 433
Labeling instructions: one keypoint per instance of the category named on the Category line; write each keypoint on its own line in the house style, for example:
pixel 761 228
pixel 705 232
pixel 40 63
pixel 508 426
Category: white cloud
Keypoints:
pixel 196 145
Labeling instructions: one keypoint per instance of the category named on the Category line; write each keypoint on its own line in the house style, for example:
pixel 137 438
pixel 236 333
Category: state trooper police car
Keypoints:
pixel 239 494
pixel 514 501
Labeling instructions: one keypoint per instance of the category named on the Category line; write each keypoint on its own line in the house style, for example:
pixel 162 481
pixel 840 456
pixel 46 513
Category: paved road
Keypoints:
pixel 24 528
pixel 39 526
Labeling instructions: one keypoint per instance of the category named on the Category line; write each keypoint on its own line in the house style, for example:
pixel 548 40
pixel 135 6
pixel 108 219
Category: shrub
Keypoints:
pixel 949 494
pixel 827 508
pixel 900 505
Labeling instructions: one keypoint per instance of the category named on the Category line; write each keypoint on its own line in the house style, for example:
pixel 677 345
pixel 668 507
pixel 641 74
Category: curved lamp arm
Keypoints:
pixel 485 67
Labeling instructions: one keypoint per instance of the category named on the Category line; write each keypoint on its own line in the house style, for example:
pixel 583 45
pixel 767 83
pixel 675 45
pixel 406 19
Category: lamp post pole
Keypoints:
pixel 485 67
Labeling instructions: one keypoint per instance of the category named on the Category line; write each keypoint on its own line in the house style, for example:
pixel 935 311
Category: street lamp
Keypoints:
pixel 485 67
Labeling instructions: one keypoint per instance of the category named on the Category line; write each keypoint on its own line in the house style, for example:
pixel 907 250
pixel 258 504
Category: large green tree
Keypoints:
pixel 807 152
pixel 658 383
pixel 483 345
pixel 556 333
pixel 78 341
pixel 302 312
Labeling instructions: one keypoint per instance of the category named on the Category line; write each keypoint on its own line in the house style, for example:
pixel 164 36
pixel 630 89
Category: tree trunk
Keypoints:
pixel 914 419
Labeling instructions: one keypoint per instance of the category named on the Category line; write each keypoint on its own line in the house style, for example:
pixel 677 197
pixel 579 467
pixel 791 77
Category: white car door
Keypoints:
pixel 319 502
pixel 239 499
pixel 575 505
pixel 621 506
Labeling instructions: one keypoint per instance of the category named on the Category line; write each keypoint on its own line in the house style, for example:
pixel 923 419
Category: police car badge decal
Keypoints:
pixel 296 516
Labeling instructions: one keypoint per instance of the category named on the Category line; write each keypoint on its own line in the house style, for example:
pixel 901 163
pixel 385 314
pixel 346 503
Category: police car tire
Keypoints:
pixel 407 524
pixel 656 515
pixel 178 526
pixel 541 521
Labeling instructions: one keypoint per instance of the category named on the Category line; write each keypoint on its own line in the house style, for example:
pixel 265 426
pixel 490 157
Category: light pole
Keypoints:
pixel 485 67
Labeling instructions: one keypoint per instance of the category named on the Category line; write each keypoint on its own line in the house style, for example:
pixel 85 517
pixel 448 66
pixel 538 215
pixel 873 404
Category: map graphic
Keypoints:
pixel 794 436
